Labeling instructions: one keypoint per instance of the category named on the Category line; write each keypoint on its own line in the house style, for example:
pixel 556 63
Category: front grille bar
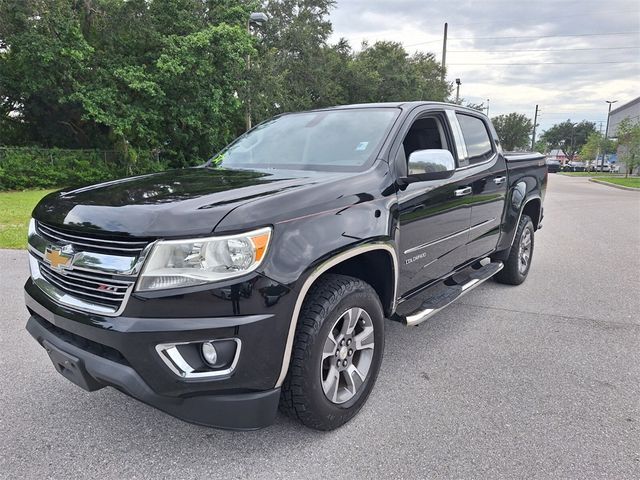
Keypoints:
pixel 50 278
pixel 120 291
pixel 99 244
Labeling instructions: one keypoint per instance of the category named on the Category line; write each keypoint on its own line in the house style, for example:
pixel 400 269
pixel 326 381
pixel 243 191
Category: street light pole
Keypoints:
pixel 606 134
pixel 256 18
pixel 573 133
pixel 458 83
pixel 487 107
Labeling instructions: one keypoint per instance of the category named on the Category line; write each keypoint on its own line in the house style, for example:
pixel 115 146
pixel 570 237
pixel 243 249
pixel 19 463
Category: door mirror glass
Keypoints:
pixel 432 164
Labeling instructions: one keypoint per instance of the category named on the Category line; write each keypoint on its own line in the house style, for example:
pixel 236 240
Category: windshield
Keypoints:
pixel 334 140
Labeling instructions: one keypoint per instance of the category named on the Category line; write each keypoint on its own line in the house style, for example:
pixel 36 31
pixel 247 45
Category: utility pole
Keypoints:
pixel 606 133
pixel 458 83
pixel 487 107
pixel 444 51
pixel 535 124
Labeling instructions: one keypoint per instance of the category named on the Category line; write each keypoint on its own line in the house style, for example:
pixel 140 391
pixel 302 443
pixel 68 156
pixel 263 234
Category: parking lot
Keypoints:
pixel 536 381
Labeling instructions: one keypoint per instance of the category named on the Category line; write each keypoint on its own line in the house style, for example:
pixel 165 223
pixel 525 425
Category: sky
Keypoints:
pixel 560 48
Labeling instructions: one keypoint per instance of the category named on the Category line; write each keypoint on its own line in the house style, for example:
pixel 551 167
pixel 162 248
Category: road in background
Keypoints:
pixel 536 381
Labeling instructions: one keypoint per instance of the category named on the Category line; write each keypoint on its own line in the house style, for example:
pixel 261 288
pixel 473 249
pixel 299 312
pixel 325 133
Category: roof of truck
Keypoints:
pixel 408 105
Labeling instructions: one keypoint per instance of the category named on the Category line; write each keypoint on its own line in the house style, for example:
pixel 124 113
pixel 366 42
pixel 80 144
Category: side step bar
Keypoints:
pixel 449 290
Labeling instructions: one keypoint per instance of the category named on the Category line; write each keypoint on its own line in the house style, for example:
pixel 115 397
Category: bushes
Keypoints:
pixel 27 168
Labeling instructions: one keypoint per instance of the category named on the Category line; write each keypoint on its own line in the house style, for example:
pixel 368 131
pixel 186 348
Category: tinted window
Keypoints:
pixel 327 140
pixel 426 133
pixel 476 138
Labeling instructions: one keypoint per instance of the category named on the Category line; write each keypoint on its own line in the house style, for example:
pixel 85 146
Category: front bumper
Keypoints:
pixel 240 411
pixel 121 351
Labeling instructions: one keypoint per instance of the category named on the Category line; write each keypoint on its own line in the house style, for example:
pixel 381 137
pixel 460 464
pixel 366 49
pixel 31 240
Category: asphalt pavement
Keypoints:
pixel 536 381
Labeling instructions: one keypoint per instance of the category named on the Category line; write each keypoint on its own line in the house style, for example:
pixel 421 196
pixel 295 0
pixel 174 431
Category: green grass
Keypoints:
pixel 15 212
pixel 633 182
pixel 587 174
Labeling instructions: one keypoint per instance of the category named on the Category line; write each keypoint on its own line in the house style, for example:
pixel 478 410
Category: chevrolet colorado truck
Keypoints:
pixel 264 277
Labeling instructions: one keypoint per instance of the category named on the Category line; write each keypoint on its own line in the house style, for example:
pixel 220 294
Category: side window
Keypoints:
pixel 476 138
pixel 425 134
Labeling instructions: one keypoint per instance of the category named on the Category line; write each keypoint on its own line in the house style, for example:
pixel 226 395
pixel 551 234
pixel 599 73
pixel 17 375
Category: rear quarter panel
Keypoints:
pixel 527 174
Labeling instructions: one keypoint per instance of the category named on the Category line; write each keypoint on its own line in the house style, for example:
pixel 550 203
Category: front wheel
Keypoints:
pixel 337 353
pixel 517 266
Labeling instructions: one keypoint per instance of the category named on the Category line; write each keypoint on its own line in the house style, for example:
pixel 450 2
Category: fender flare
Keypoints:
pixel 315 274
pixel 525 202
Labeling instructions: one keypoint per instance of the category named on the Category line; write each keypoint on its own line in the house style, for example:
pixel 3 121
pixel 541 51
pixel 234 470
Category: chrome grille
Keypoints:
pixel 97 244
pixel 87 273
pixel 103 289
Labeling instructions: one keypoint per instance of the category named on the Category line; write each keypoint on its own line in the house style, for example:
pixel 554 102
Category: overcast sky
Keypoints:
pixel 577 90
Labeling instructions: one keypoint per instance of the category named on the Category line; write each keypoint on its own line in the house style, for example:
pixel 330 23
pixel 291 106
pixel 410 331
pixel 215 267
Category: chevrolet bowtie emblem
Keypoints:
pixel 59 258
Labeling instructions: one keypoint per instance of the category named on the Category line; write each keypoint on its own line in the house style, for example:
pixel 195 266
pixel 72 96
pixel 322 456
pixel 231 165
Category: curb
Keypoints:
pixel 621 187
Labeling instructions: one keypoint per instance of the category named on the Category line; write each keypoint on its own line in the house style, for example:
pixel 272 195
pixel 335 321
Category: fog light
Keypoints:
pixel 209 353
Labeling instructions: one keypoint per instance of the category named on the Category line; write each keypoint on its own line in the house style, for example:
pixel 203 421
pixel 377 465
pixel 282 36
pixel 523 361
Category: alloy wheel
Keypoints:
pixel 524 254
pixel 347 355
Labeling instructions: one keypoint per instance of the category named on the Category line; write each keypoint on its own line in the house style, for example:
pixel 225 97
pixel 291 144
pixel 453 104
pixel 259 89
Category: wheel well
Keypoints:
pixel 375 268
pixel 532 209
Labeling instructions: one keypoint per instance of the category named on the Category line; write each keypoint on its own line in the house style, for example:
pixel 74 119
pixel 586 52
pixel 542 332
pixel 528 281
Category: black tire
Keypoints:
pixel 513 273
pixel 302 395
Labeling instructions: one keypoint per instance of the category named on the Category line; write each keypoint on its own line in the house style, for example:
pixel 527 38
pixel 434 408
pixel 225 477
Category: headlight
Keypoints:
pixel 183 263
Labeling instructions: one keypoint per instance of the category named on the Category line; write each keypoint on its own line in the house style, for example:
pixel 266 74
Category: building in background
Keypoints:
pixel 558 155
pixel 630 110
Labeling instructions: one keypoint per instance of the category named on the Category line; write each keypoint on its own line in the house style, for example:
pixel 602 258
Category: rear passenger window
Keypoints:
pixel 476 137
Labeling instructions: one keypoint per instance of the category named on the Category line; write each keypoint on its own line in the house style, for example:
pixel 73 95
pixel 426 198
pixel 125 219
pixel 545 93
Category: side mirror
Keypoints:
pixel 425 165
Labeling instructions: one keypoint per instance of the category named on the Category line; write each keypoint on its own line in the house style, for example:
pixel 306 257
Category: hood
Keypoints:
pixel 169 204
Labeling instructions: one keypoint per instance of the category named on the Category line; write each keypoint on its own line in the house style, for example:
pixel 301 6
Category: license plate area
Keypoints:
pixel 71 367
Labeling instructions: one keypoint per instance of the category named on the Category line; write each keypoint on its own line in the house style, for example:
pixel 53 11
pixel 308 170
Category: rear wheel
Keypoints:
pixel 337 353
pixel 516 268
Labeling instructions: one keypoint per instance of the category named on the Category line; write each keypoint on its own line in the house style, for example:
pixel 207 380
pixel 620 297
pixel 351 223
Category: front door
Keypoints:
pixel 434 215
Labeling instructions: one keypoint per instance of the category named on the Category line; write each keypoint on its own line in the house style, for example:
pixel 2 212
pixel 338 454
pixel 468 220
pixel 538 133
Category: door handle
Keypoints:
pixel 461 192
pixel 499 180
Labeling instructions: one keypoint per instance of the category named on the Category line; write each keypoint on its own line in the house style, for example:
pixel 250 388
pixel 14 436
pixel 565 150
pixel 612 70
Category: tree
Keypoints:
pixel 384 72
pixel 43 54
pixel 629 142
pixel 541 146
pixel 568 136
pixel 513 130
pixel 288 73
pixel 132 75
pixel 476 106
pixel 171 76
pixel 595 146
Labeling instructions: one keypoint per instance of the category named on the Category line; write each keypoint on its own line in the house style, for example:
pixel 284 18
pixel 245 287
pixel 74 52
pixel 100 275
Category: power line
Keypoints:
pixel 590 14
pixel 530 36
pixel 545 49
pixel 549 63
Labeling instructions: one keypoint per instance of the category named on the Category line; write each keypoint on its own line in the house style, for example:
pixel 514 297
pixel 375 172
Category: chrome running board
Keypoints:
pixel 449 290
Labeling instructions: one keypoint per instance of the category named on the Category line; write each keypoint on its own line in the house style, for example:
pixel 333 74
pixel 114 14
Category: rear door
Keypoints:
pixel 486 173
pixel 434 215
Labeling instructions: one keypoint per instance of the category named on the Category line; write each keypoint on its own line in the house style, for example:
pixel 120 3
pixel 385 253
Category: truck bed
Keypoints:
pixel 523 156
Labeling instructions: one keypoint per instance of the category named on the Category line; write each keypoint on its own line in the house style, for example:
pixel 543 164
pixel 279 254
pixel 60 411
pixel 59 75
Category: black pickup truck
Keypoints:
pixel 264 277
